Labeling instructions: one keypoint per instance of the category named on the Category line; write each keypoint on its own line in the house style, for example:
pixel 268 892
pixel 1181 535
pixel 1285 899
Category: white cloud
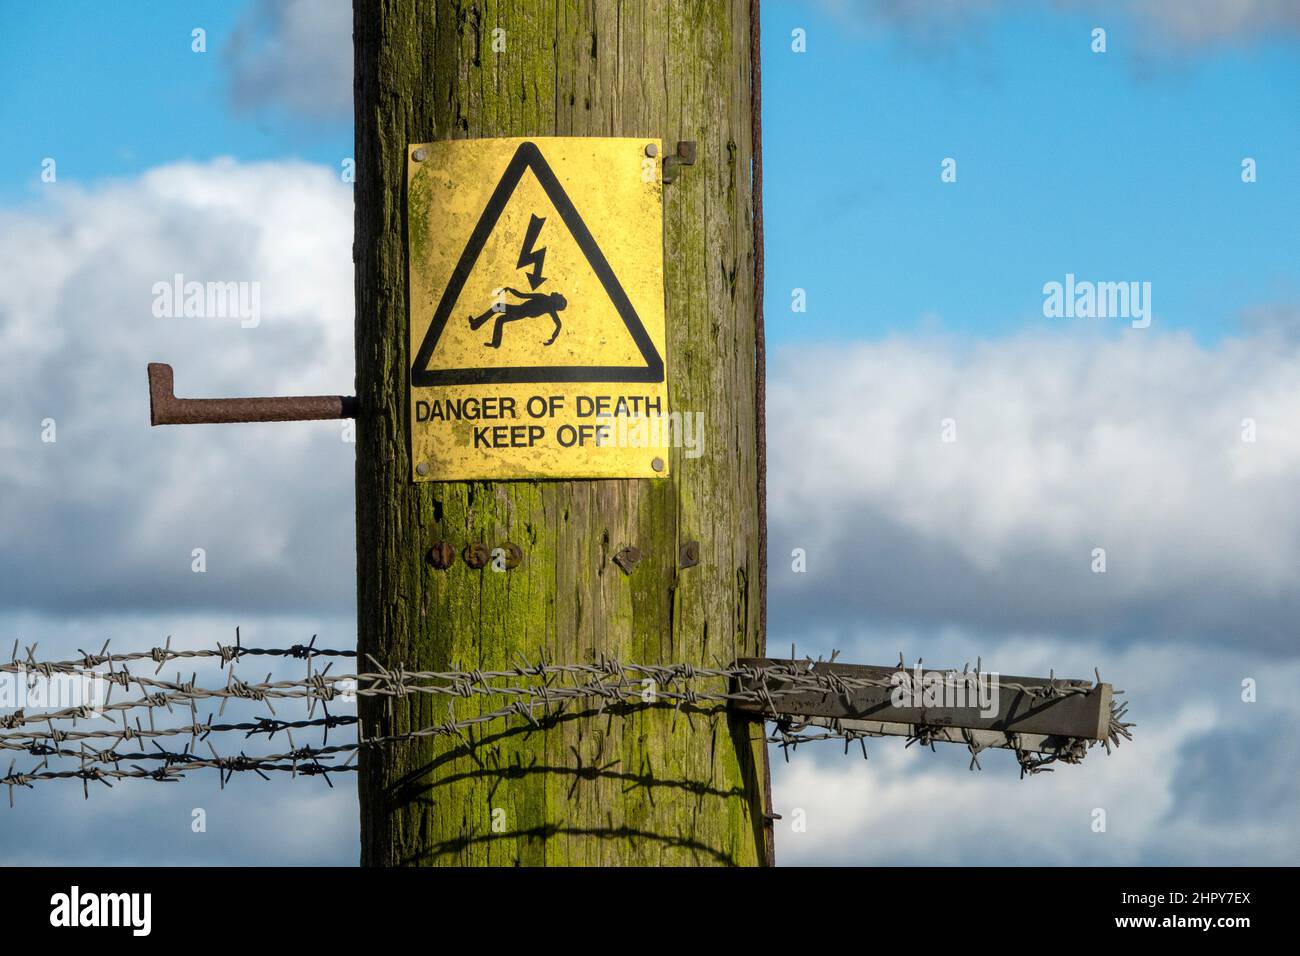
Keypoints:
pixel 295 54
pixel 108 515
pixel 1201 22
pixel 104 519
pixel 1184 24
pixel 1064 444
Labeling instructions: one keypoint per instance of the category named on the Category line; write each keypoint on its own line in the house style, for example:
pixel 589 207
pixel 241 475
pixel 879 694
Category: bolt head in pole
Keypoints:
pixel 442 555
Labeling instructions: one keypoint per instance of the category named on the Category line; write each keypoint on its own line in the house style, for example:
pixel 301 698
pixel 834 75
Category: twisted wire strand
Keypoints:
pixel 552 689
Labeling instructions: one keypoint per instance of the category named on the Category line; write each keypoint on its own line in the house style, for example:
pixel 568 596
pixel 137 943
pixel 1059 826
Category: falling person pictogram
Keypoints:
pixel 532 305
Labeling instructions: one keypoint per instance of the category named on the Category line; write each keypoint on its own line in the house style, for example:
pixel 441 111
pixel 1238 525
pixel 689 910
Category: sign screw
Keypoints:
pixel 657 464
pixel 419 155
pixel 422 468
pixel 651 149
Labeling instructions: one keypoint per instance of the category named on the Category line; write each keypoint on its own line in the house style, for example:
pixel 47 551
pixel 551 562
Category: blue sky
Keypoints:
pixel 1113 166
pixel 924 306
pixel 112 90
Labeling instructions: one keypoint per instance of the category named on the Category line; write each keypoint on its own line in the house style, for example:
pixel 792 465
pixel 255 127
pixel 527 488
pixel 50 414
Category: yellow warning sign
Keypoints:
pixel 537 309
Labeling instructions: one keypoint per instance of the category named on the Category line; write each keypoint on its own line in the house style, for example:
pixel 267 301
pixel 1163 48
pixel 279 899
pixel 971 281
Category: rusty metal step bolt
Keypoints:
pixel 506 557
pixel 442 555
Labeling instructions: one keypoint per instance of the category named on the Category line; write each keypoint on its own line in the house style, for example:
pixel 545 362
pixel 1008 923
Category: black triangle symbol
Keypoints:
pixel 528 156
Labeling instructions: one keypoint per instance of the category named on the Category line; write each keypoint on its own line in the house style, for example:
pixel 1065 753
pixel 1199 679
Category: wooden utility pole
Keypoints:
pixel 622 788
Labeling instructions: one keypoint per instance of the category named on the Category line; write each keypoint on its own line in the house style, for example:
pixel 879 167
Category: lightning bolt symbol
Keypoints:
pixel 528 256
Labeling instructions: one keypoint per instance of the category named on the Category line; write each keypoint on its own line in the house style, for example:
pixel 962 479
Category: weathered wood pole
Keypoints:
pixel 619 789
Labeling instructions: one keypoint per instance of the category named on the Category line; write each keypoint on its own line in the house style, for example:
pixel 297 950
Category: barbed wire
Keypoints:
pixel 226 653
pixel 547 691
pixel 797 676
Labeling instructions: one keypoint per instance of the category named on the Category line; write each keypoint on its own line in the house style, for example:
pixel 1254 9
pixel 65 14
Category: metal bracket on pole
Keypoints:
pixel 1025 713
pixel 166 409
